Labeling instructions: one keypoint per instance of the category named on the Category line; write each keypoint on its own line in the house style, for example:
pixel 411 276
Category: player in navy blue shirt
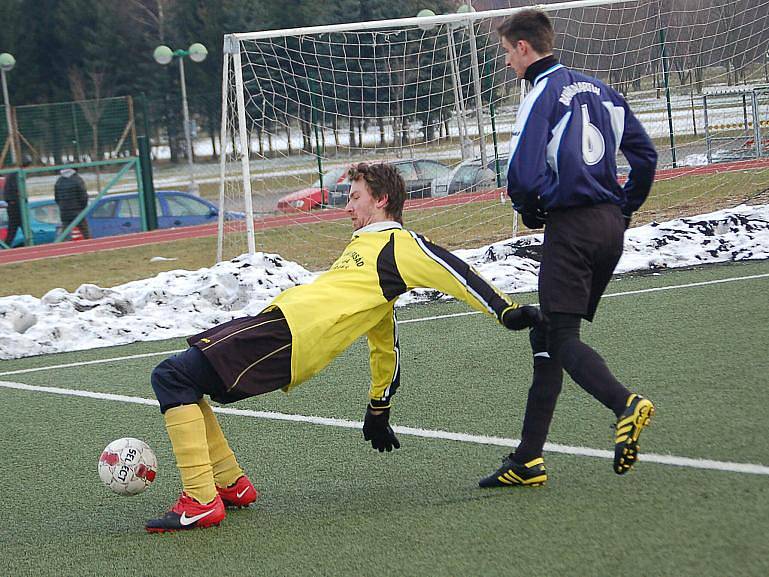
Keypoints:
pixel 563 175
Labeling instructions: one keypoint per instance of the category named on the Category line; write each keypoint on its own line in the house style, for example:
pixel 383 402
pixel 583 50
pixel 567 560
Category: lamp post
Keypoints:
pixel 7 62
pixel 197 53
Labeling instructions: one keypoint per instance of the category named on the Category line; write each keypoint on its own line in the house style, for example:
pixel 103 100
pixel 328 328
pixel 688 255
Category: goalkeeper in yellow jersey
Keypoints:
pixel 299 333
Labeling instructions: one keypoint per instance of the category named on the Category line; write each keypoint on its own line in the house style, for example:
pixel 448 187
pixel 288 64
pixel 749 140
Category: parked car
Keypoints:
pixel 419 175
pixel 120 213
pixel 472 176
pixel 334 183
pixel 116 214
pixel 43 223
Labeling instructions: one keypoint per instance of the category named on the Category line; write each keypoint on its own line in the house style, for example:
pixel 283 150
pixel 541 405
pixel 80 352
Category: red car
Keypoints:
pixel 419 175
pixel 335 187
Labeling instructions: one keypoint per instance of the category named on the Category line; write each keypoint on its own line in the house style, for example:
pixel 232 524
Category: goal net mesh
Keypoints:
pixel 433 96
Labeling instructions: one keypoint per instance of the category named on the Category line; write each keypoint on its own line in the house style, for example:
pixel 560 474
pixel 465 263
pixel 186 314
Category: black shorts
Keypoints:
pixel 254 358
pixel 582 247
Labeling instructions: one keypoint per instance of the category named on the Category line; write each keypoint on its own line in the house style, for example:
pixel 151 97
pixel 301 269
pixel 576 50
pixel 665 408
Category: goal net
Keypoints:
pixel 432 95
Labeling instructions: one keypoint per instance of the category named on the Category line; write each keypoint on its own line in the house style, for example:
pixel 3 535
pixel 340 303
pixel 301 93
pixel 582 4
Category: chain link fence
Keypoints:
pixel 65 132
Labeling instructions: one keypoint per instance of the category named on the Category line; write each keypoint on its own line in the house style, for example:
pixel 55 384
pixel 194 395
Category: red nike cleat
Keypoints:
pixel 187 513
pixel 240 494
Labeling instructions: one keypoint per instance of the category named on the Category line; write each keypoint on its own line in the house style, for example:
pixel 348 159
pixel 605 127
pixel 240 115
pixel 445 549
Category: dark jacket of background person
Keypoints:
pixel 14 211
pixel 72 197
pixel 70 194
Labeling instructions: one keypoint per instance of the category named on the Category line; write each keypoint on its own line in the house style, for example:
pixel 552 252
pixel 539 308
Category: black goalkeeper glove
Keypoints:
pixel 376 428
pixel 523 317
pixel 533 218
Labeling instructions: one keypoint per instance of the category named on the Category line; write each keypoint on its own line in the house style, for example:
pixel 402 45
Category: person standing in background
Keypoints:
pixel 14 208
pixel 72 197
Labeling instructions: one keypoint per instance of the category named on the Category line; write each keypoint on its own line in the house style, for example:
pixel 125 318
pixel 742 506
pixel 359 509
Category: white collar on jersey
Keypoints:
pixel 547 72
pixel 378 227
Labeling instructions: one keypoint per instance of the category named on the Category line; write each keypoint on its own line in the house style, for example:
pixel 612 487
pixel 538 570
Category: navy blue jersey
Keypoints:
pixel 564 146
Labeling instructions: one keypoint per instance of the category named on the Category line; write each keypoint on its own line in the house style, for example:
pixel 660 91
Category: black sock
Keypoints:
pixel 589 371
pixel 545 387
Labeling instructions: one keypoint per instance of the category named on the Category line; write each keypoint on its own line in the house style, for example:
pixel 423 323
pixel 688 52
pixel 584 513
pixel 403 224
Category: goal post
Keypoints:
pixel 300 105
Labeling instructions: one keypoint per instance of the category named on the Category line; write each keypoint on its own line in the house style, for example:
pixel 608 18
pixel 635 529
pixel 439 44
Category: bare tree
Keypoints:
pixel 151 16
pixel 93 108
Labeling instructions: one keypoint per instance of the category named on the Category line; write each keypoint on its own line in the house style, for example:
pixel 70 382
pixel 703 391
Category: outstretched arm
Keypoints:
pixel 427 265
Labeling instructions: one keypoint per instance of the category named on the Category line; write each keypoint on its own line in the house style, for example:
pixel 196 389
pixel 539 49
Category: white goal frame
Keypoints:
pixel 232 65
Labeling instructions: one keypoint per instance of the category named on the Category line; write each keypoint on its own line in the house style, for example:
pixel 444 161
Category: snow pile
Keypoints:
pixel 172 304
pixel 180 303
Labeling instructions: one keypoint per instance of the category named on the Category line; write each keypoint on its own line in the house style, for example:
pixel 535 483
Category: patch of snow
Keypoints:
pixel 162 258
pixel 180 303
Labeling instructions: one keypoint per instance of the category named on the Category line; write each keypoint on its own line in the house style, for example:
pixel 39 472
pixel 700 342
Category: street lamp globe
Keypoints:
pixel 463 9
pixel 426 13
pixel 7 62
pixel 163 54
pixel 197 52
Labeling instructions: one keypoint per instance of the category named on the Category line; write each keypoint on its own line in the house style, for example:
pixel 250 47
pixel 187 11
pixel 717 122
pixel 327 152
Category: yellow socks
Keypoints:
pixel 187 431
pixel 225 466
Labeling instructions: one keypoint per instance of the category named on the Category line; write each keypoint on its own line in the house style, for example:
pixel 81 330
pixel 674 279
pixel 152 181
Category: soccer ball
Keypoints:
pixel 127 466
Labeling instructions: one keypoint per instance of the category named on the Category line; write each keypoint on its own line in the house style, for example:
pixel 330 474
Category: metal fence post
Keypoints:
pixel 708 141
pixel 493 115
pixel 756 123
pixel 148 187
pixel 663 55
pixel 24 208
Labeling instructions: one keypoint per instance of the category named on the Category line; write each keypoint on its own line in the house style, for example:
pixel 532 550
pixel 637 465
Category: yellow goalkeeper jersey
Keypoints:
pixel 357 295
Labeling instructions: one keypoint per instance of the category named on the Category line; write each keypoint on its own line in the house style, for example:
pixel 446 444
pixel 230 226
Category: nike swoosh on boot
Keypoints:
pixel 184 520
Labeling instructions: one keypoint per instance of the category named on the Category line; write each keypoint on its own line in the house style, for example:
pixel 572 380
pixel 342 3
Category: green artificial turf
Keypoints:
pixel 332 506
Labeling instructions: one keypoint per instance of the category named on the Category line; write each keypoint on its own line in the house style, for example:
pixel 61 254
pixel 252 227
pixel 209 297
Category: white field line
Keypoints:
pixel 85 363
pixel 400 322
pixel 749 468
pixel 619 294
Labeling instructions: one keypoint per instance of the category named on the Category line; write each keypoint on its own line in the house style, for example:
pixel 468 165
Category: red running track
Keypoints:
pixel 167 235
pixel 67 248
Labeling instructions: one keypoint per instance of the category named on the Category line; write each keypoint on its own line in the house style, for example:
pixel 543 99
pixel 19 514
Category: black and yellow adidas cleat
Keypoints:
pixel 532 474
pixel 637 415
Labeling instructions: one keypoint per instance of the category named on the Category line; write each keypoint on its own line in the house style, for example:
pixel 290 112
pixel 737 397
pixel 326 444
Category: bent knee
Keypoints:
pixel 171 385
pixel 562 329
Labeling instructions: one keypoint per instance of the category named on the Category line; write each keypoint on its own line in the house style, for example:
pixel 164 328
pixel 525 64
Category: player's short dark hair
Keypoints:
pixel 382 179
pixel 531 25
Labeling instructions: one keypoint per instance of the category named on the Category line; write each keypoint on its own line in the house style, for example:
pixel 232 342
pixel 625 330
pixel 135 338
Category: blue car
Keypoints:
pixel 44 222
pixel 116 214
pixel 120 213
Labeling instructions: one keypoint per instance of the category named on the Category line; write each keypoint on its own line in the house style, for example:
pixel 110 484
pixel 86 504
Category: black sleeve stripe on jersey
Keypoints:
pixel 462 271
pixel 396 380
pixel 390 280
